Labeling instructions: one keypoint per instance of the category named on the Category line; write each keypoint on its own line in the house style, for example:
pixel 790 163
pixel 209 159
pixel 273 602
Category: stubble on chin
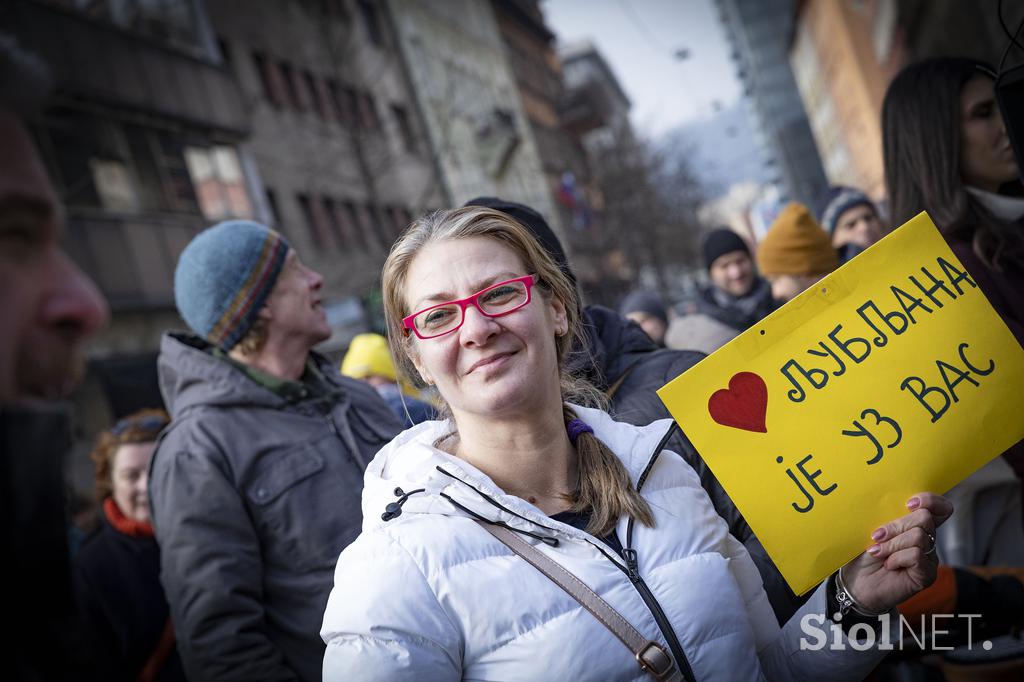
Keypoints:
pixel 48 372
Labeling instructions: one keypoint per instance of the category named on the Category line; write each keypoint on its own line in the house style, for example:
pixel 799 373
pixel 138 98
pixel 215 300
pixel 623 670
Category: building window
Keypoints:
pixel 342 110
pixel 218 182
pixel 358 229
pixel 371 21
pixel 293 87
pixel 274 89
pixel 275 214
pixel 396 218
pixel 331 219
pixel 376 226
pixel 180 190
pixel 316 232
pixel 404 127
pixel 368 117
pixel 168 21
pixel 317 97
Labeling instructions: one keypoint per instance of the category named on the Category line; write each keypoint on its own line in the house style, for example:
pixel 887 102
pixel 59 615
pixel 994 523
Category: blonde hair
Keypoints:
pixel 604 487
pixel 254 340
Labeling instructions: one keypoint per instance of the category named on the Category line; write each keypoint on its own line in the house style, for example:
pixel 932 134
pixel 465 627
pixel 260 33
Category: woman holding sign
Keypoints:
pixel 527 537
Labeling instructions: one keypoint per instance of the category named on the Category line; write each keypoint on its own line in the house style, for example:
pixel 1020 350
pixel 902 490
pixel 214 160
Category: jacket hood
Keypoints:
pixel 453 487
pixel 190 376
pixel 611 338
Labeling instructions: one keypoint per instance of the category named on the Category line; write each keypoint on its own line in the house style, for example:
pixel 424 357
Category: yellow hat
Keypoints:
pixel 368 355
pixel 796 245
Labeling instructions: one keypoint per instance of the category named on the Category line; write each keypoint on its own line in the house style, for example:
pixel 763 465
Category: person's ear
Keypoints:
pixel 414 357
pixel 561 319
pixel 264 313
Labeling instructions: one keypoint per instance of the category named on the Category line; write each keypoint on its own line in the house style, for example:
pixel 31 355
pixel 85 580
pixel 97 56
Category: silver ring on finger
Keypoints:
pixel 931 537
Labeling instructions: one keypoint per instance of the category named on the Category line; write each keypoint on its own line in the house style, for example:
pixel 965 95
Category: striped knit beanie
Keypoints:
pixel 224 277
pixel 837 201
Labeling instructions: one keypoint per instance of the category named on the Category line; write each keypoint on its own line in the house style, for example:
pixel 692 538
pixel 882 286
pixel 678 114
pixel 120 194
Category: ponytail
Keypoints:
pixel 604 485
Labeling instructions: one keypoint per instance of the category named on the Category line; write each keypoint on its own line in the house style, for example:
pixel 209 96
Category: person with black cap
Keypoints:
pixel 735 299
pixel 624 363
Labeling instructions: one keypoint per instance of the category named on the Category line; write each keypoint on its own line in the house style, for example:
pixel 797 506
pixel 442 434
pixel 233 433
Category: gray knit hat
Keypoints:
pixel 837 201
pixel 224 277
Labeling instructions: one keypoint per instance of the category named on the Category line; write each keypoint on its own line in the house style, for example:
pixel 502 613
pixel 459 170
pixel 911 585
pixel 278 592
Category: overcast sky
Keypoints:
pixel 638 38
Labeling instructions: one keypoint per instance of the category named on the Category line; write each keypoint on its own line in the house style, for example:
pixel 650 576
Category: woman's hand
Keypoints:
pixel 903 560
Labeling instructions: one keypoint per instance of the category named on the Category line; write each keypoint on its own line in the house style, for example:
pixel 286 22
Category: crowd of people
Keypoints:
pixel 493 490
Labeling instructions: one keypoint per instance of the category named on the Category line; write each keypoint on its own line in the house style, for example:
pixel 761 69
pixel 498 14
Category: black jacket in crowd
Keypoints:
pixel 117 579
pixel 625 363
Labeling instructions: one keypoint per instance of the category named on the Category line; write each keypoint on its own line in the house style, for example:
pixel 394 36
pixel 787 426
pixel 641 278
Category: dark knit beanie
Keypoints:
pixel 720 242
pixel 224 277
pixel 836 202
pixel 535 223
pixel 644 302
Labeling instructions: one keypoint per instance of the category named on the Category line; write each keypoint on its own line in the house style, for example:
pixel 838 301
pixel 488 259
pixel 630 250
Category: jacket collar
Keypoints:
pixel 191 376
pixel 1006 208
pixel 453 487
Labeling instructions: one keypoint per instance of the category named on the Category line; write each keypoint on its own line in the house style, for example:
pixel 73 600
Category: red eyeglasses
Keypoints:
pixel 494 301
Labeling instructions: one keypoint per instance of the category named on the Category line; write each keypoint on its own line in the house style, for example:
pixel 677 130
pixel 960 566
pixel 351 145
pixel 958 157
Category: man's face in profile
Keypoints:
pixel 47 305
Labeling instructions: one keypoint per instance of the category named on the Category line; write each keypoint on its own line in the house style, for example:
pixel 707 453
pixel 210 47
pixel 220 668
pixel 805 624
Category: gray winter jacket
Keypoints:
pixel 253 498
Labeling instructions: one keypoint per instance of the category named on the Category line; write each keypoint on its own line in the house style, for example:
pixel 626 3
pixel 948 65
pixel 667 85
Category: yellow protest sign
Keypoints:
pixel 891 376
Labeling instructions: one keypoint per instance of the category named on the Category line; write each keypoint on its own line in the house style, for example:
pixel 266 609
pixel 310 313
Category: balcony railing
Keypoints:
pixel 99 61
pixel 131 257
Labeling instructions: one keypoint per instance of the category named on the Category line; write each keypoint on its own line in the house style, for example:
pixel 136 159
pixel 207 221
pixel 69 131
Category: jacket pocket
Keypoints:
pixel 277 473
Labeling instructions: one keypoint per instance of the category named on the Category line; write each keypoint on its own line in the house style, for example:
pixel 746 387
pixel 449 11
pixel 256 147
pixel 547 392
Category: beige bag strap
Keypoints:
pixel 649 654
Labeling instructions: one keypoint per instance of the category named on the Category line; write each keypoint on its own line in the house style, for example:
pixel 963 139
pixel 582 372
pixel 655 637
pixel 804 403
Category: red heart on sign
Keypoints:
pixel 743 405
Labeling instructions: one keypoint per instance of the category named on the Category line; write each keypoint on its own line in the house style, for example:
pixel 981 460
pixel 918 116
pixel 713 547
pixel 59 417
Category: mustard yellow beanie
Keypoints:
pixel 796 245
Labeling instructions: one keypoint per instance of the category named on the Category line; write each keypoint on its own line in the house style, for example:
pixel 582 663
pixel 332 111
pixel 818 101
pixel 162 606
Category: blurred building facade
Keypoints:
pixel 844 55
pixel 174 115
pixel 146 143
pixel 342 156
pixel 467 95
pixel 530 47
pixel 759 32
pixel 596 106
pixel 532 53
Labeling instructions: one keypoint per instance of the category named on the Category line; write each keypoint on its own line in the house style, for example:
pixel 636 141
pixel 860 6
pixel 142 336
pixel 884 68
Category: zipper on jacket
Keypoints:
pixel 629 555
pixel 633 572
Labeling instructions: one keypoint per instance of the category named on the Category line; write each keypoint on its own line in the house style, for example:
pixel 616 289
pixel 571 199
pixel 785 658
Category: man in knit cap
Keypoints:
pixel 735 298
pixel 255 487
pixel 795 253
pixel 648 310
pixel 851 220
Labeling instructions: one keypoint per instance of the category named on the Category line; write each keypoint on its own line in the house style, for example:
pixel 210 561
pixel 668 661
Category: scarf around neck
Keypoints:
pixel 123 524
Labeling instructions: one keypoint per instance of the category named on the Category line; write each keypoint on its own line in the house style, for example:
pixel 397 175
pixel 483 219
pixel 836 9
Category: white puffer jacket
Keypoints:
pixel 430 595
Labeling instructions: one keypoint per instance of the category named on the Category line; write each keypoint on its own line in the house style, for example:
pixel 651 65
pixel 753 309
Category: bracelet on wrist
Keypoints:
pixel 846 601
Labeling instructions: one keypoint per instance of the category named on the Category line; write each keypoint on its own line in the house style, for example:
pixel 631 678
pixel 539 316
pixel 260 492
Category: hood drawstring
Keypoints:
pixel 547 540
pixel 394 509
